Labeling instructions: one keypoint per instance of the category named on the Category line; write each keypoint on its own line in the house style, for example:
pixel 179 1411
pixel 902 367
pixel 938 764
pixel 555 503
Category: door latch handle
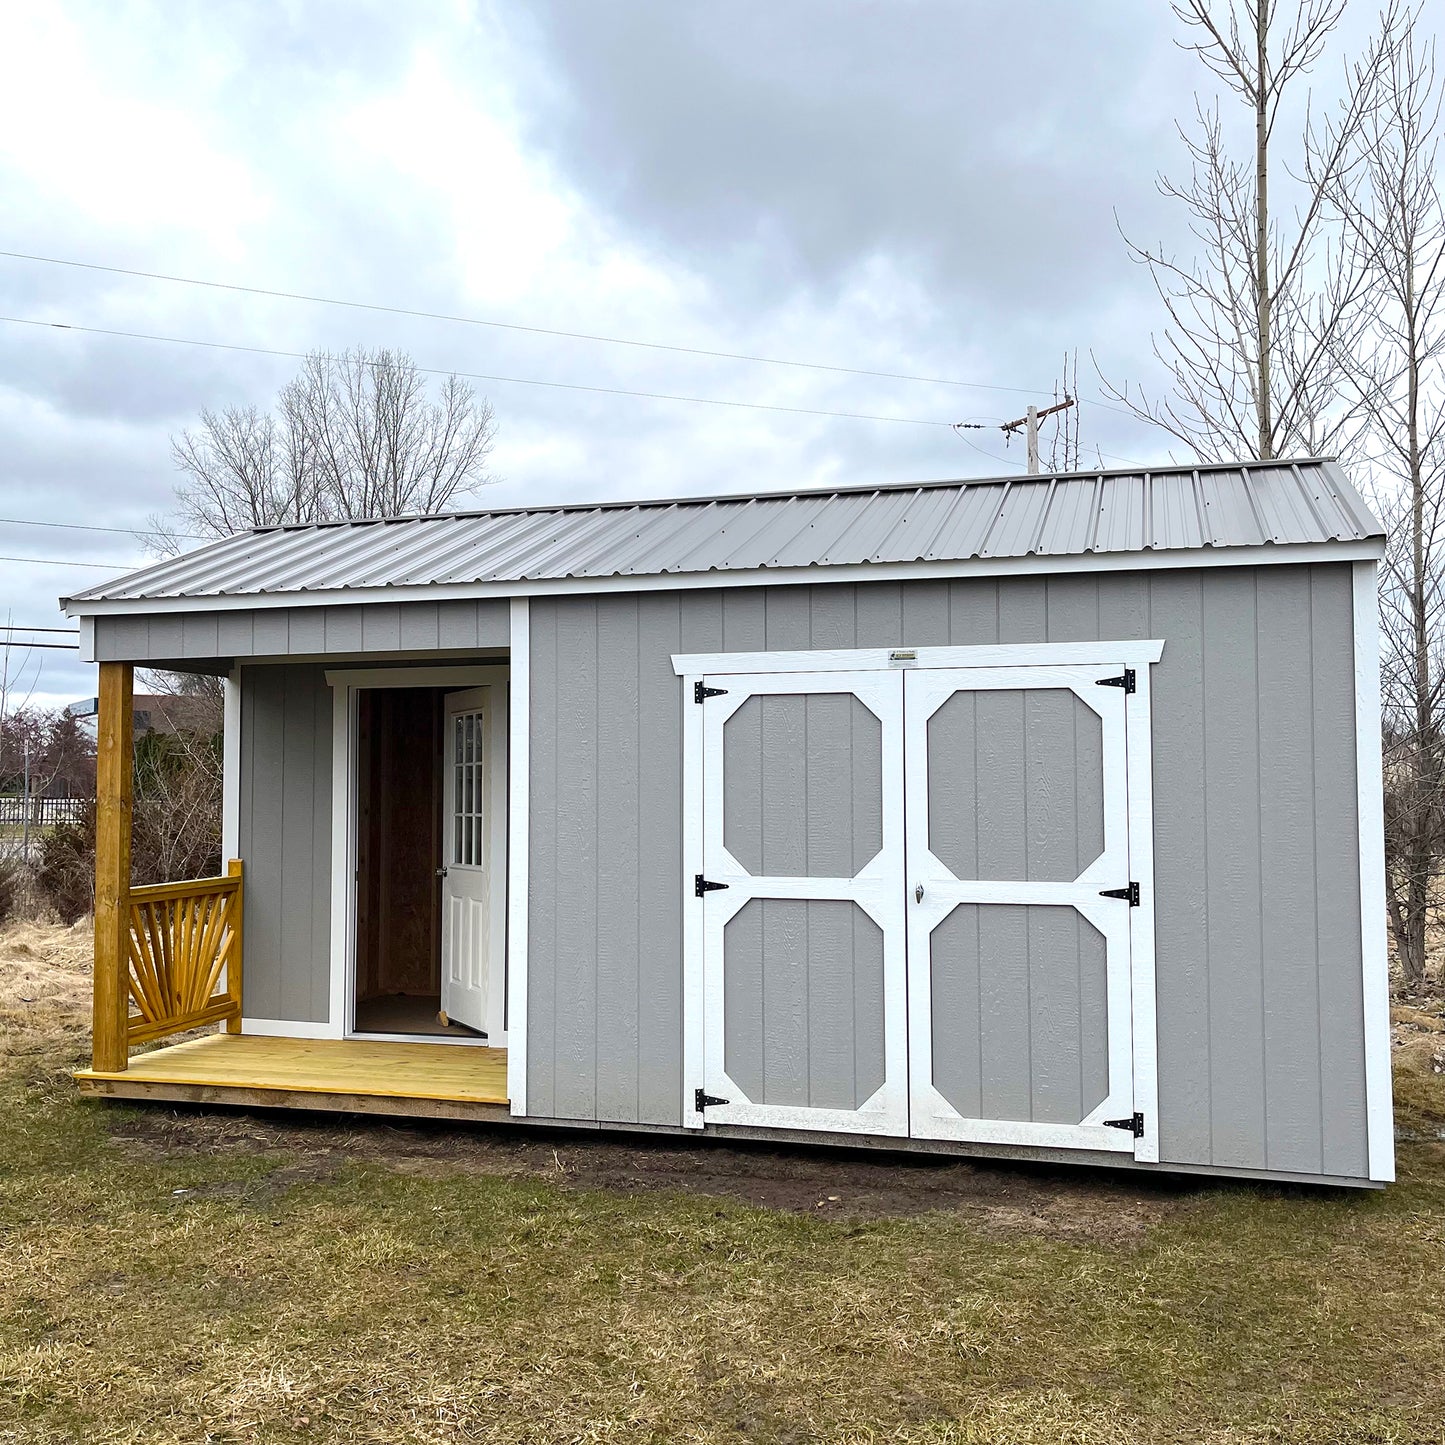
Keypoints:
pixel 442 871
pixel 918 894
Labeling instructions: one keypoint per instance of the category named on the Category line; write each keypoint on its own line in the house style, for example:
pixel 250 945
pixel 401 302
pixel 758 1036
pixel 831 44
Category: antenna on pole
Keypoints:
pixel 1030 420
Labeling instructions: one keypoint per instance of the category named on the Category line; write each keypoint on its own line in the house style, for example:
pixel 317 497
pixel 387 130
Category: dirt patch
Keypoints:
pixel 1094 1205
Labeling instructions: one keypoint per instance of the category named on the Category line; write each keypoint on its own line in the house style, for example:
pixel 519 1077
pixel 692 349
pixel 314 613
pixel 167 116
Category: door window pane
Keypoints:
pixel 468 790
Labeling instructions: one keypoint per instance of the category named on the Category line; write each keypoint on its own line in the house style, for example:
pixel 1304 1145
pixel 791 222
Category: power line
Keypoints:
pixel 506 325
pixel 61 562
pixel 20 627
pixel 93 527
pixel 482 376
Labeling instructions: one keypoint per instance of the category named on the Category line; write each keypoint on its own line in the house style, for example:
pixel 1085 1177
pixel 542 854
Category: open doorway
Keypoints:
pixel 422 822
pixel 398 861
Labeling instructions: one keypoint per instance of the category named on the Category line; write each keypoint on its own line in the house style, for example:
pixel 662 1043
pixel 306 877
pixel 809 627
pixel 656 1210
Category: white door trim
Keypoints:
pixel 345 683
pixel 1134 653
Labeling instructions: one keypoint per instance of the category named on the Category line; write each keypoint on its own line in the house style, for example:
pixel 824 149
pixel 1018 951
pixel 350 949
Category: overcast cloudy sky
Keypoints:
pixel 925 186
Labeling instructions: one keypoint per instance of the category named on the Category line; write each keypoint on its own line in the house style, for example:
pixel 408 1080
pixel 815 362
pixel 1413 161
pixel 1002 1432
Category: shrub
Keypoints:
pixel 11 886
pixel 66 874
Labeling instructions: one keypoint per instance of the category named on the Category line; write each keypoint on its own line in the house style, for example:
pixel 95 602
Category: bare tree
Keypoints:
pixel 1064 449
pixel 1395 214
pixel 1255 323
pixel 355 435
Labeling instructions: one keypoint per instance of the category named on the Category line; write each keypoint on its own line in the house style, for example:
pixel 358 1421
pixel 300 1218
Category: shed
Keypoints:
pixel 1035 817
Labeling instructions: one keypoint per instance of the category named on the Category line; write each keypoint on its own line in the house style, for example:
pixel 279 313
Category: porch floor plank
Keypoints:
pixel 322 1066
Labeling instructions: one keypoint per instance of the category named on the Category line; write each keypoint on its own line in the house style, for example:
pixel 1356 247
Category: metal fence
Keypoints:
pixel 42 812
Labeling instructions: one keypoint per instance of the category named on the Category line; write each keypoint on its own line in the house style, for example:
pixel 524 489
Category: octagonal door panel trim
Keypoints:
pixel 1035 1047
pixel 809 767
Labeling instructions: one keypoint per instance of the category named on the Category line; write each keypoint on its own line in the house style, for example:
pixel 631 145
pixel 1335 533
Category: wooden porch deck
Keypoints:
pixel 420 1080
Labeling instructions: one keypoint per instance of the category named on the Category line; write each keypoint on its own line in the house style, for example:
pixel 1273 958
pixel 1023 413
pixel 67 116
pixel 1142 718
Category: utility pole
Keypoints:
pixel 1031 420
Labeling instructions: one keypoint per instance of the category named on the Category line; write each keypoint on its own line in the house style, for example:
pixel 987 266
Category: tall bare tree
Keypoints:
pixel 1395 215
pixel 1254 322
pixel 355 435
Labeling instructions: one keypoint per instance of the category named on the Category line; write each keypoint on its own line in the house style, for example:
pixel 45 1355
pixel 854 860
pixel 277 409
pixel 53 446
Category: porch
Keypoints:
pixel 169 961
pixel 420 1080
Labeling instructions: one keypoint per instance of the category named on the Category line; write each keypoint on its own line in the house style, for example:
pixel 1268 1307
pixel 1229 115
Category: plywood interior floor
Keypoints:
pixel 324 1066
pixel 399 1014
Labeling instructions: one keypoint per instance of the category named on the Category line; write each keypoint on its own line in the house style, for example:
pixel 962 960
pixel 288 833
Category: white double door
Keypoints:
pixel 908 926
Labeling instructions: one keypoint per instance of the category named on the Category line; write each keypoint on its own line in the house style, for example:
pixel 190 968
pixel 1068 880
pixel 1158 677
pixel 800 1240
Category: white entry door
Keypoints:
pixel 474 860
pixel 803 911
pixel 1019 905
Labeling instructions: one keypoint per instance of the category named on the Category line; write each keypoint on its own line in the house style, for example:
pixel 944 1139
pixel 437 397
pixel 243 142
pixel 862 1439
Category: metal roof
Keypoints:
pixel 1176 508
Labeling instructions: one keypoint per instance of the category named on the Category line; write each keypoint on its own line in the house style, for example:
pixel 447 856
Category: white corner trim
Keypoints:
pixel 519 761
pixel 231 767
pixel 1267 555
pixel 1134 653
pixel 87 639
pixel 286 1029
pixel 1374 953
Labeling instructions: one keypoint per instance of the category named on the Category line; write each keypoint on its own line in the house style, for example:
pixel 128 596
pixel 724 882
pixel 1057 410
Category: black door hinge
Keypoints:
pixel 1131 893
pixel 701 1099
pixel 1126 682
pixel 702 886
pixel 701 691
pixel 1134 1124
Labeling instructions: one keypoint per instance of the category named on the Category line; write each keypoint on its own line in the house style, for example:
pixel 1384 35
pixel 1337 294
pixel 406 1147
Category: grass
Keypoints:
pixel 220 1278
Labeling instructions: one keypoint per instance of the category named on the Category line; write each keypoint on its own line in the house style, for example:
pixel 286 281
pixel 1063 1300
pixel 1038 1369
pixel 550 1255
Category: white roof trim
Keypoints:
pixel 1269 554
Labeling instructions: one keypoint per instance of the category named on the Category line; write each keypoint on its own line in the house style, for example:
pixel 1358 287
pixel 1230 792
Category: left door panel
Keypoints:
pixel 804 925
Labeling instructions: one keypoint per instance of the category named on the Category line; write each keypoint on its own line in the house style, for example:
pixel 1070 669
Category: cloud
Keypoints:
pixel 917 186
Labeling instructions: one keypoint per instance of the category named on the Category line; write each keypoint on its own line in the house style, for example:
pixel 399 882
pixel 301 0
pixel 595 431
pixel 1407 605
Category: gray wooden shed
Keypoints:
pixel 1036 817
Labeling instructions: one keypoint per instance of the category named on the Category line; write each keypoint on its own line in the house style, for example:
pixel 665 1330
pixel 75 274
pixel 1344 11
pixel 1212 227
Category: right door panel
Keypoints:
pixel 1019 985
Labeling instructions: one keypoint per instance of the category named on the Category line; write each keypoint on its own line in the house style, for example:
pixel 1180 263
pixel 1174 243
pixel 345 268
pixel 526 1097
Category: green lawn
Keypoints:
pixel 239 1278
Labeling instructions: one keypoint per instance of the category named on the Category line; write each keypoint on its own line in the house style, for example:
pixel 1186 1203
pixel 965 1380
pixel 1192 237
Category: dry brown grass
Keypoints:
pixel 171 1276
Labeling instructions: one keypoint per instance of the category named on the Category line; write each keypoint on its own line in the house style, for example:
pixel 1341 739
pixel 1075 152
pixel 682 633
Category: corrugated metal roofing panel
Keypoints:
pixel 1074 513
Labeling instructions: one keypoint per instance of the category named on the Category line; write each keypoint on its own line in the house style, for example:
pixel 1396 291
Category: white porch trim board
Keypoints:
pixel 519 762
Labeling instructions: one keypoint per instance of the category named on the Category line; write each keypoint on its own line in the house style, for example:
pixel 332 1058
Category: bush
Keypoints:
pixel 11 886
pixel 66 874
pixel 175 825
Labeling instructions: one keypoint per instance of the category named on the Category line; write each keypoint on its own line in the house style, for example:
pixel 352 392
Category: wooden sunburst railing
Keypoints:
pixel 184 956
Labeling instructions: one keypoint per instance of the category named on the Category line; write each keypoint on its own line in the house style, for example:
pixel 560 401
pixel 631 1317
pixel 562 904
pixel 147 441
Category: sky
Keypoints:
pixel 928 187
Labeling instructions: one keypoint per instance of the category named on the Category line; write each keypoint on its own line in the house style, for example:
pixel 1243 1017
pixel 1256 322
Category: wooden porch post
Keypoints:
pixel 115 743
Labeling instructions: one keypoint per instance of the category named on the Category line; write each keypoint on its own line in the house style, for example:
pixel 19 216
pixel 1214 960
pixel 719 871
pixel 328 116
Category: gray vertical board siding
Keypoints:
pixel 1336 884
pixel 406 627
pixel 1015 785
pixel 285 841
pixel 1020 1027
pixel 1230 771
pixel 619 882
pixel 803 1002
pixel 803 785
